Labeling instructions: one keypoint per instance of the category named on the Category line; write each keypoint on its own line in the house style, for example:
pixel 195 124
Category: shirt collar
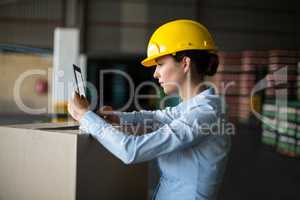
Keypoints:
pixel 208 91
pixel 199 99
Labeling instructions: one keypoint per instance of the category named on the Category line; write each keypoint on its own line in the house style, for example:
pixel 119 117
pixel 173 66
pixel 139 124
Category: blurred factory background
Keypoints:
pixel 255 38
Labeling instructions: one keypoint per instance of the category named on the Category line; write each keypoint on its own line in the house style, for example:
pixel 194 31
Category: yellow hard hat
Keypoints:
pixel 178 35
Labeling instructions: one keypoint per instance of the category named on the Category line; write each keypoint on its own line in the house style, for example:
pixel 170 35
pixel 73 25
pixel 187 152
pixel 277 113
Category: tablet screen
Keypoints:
pixel 79 80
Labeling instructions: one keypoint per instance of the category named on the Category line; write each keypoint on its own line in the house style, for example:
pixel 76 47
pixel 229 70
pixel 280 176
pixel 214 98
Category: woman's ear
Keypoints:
pixel 186 64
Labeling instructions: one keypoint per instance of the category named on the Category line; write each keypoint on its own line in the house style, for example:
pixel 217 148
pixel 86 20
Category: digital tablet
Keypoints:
pixel 79 80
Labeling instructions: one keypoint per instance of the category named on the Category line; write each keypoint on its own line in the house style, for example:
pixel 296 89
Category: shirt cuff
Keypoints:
pixel 92 123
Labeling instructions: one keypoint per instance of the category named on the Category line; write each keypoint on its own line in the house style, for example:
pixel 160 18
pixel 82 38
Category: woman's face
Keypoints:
pixel 169 73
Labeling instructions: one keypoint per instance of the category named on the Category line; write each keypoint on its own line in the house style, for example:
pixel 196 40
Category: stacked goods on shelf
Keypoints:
pixel 282 75
pixel 269 127
pixel 287 127
pixel 298 110
pixel 226 81
pixel 281 110
pixel 254 64
pixel 239 73
pixel 298 133
pixel 298 76
pixel 281 127
pixel 236 78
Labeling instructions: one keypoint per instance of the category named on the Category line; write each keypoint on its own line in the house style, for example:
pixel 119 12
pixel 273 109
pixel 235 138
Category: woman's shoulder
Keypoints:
pixel 207 102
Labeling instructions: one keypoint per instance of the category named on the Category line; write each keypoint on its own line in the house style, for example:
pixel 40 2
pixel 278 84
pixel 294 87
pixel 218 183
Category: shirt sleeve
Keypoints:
pixel 180 133
pixel 157 116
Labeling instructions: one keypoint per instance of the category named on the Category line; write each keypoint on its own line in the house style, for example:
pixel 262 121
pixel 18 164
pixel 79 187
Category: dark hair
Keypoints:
pixel 206 63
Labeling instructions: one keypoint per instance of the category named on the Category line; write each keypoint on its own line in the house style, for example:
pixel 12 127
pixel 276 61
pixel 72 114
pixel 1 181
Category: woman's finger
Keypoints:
pixel 70 110
pixel 77 100
pixel 105 110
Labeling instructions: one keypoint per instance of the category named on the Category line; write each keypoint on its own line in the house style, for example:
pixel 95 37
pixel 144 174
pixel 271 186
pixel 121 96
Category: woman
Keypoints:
pixel 191 155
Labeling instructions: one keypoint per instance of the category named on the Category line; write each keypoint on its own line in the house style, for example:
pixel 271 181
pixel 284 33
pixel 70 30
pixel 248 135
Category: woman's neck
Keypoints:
pixel 191 89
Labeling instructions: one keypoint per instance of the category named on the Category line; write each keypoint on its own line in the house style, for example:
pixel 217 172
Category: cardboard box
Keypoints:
pixel 48 161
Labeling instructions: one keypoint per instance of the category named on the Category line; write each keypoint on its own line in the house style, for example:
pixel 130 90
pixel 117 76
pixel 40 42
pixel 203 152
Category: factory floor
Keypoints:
pixel 253 171
pixel 257 172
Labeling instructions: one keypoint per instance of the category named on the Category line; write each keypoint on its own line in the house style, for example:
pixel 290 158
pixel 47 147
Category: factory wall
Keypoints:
pixel 29 22
pixel 255 25
pixel 123 27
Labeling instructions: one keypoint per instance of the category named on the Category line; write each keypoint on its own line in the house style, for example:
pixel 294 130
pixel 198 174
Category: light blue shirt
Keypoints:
pixel 190 149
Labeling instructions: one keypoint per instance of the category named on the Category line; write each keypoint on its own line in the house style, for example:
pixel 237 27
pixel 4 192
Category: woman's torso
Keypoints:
pixel 195 172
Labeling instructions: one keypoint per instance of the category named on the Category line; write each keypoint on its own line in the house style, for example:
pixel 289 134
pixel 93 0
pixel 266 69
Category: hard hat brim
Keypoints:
pixel 149 62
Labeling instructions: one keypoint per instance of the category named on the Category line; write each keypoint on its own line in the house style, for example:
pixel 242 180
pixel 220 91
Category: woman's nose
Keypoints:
pixel 156 74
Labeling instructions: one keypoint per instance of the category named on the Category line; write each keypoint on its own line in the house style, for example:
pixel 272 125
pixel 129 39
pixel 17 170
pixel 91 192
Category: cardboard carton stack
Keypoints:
pixel 236 78
pixel 281 110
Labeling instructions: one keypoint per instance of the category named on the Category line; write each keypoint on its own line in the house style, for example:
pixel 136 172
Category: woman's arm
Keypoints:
pixel 138 118
pixel 180 133
pixel 138 122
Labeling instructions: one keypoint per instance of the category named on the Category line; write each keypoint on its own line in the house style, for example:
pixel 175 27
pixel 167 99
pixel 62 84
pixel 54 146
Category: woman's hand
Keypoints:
pixel 78 106
pixel 106 113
